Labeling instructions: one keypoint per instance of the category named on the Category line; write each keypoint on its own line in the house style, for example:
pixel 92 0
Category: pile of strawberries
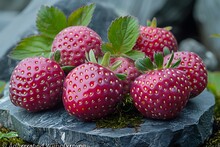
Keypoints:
pixel 90 78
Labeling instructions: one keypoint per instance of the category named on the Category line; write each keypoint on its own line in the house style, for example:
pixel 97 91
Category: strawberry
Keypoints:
pixel 91 91
pixel 73 42
pixel 128 68
pixel 36 84
pixel 160 93
pixel 154 39
pixel 194 68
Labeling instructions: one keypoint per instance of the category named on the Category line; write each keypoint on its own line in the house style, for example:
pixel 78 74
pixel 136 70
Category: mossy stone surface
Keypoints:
pixel 192 127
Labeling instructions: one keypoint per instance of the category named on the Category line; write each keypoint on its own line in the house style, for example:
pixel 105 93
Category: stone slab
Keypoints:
pixel 191 128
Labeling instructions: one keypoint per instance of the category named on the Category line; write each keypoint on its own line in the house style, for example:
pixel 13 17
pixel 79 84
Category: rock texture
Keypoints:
pixel 191 128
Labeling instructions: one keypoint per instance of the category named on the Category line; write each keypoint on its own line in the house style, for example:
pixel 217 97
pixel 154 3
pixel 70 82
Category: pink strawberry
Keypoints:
pixel 153 39
pixel 194 68
pixel 36 84
pixel 91 91
pixel 73 42
pixel 161 93
pixel 128 68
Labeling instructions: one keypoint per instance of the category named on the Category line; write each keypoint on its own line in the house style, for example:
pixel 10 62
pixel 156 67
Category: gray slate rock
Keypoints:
pixel 208 57
pixel 191 128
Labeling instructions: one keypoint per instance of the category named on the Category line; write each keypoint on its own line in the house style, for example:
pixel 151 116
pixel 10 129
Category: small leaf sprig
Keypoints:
pixel 145 64
pixel 8 135
pixel 122 35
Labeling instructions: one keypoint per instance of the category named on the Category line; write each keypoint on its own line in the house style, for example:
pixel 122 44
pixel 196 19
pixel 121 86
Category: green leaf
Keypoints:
pixel 2 86
pixel 106 59
pixel 50 21
pixel 147 63
pixel 144 64
pixel 140 66
pixel 154 22
pixel 214 87
pixel 123 33
pixel 32 46
pixel 107 47
pixel 168 28
pixel 170 60
pixel 214 83
pixel 57 56
pixel 134 54
pixel 158 59
pixel 166 51
pixel 92 57
pixel 67 69
pixel 121 76
pixel 176 64
pixel 148 23
pixel 116 65
pixel 215 35
pixel 81 16
pixel 8 135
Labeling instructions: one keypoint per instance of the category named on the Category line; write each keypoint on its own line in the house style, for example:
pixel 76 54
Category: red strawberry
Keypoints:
pixel 194 68
pixel 91 91
pixel 153 39
pixel 36 84
pixel 161 94
pixel 128 68
pixel 73 42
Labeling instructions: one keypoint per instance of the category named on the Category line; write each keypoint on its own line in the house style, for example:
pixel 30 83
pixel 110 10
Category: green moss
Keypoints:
pixel 214 87
pixel 121 120
pixel 9 138
pixel 214 139
pixel 125 116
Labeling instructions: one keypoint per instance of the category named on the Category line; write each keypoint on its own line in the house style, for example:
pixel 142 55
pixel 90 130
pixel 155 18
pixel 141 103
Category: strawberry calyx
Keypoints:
pixel 153 24
pixel 56 57
pixel 105 62
pixel 146 64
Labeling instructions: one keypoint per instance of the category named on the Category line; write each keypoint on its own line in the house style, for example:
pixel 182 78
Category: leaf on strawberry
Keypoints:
pixel 122 35
pixel 38 45
pixel 158 58
pixel 50 21
pixel 121 76
pixel 81 16
pixel 144 64
pixel 107 47
pixel 134 54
